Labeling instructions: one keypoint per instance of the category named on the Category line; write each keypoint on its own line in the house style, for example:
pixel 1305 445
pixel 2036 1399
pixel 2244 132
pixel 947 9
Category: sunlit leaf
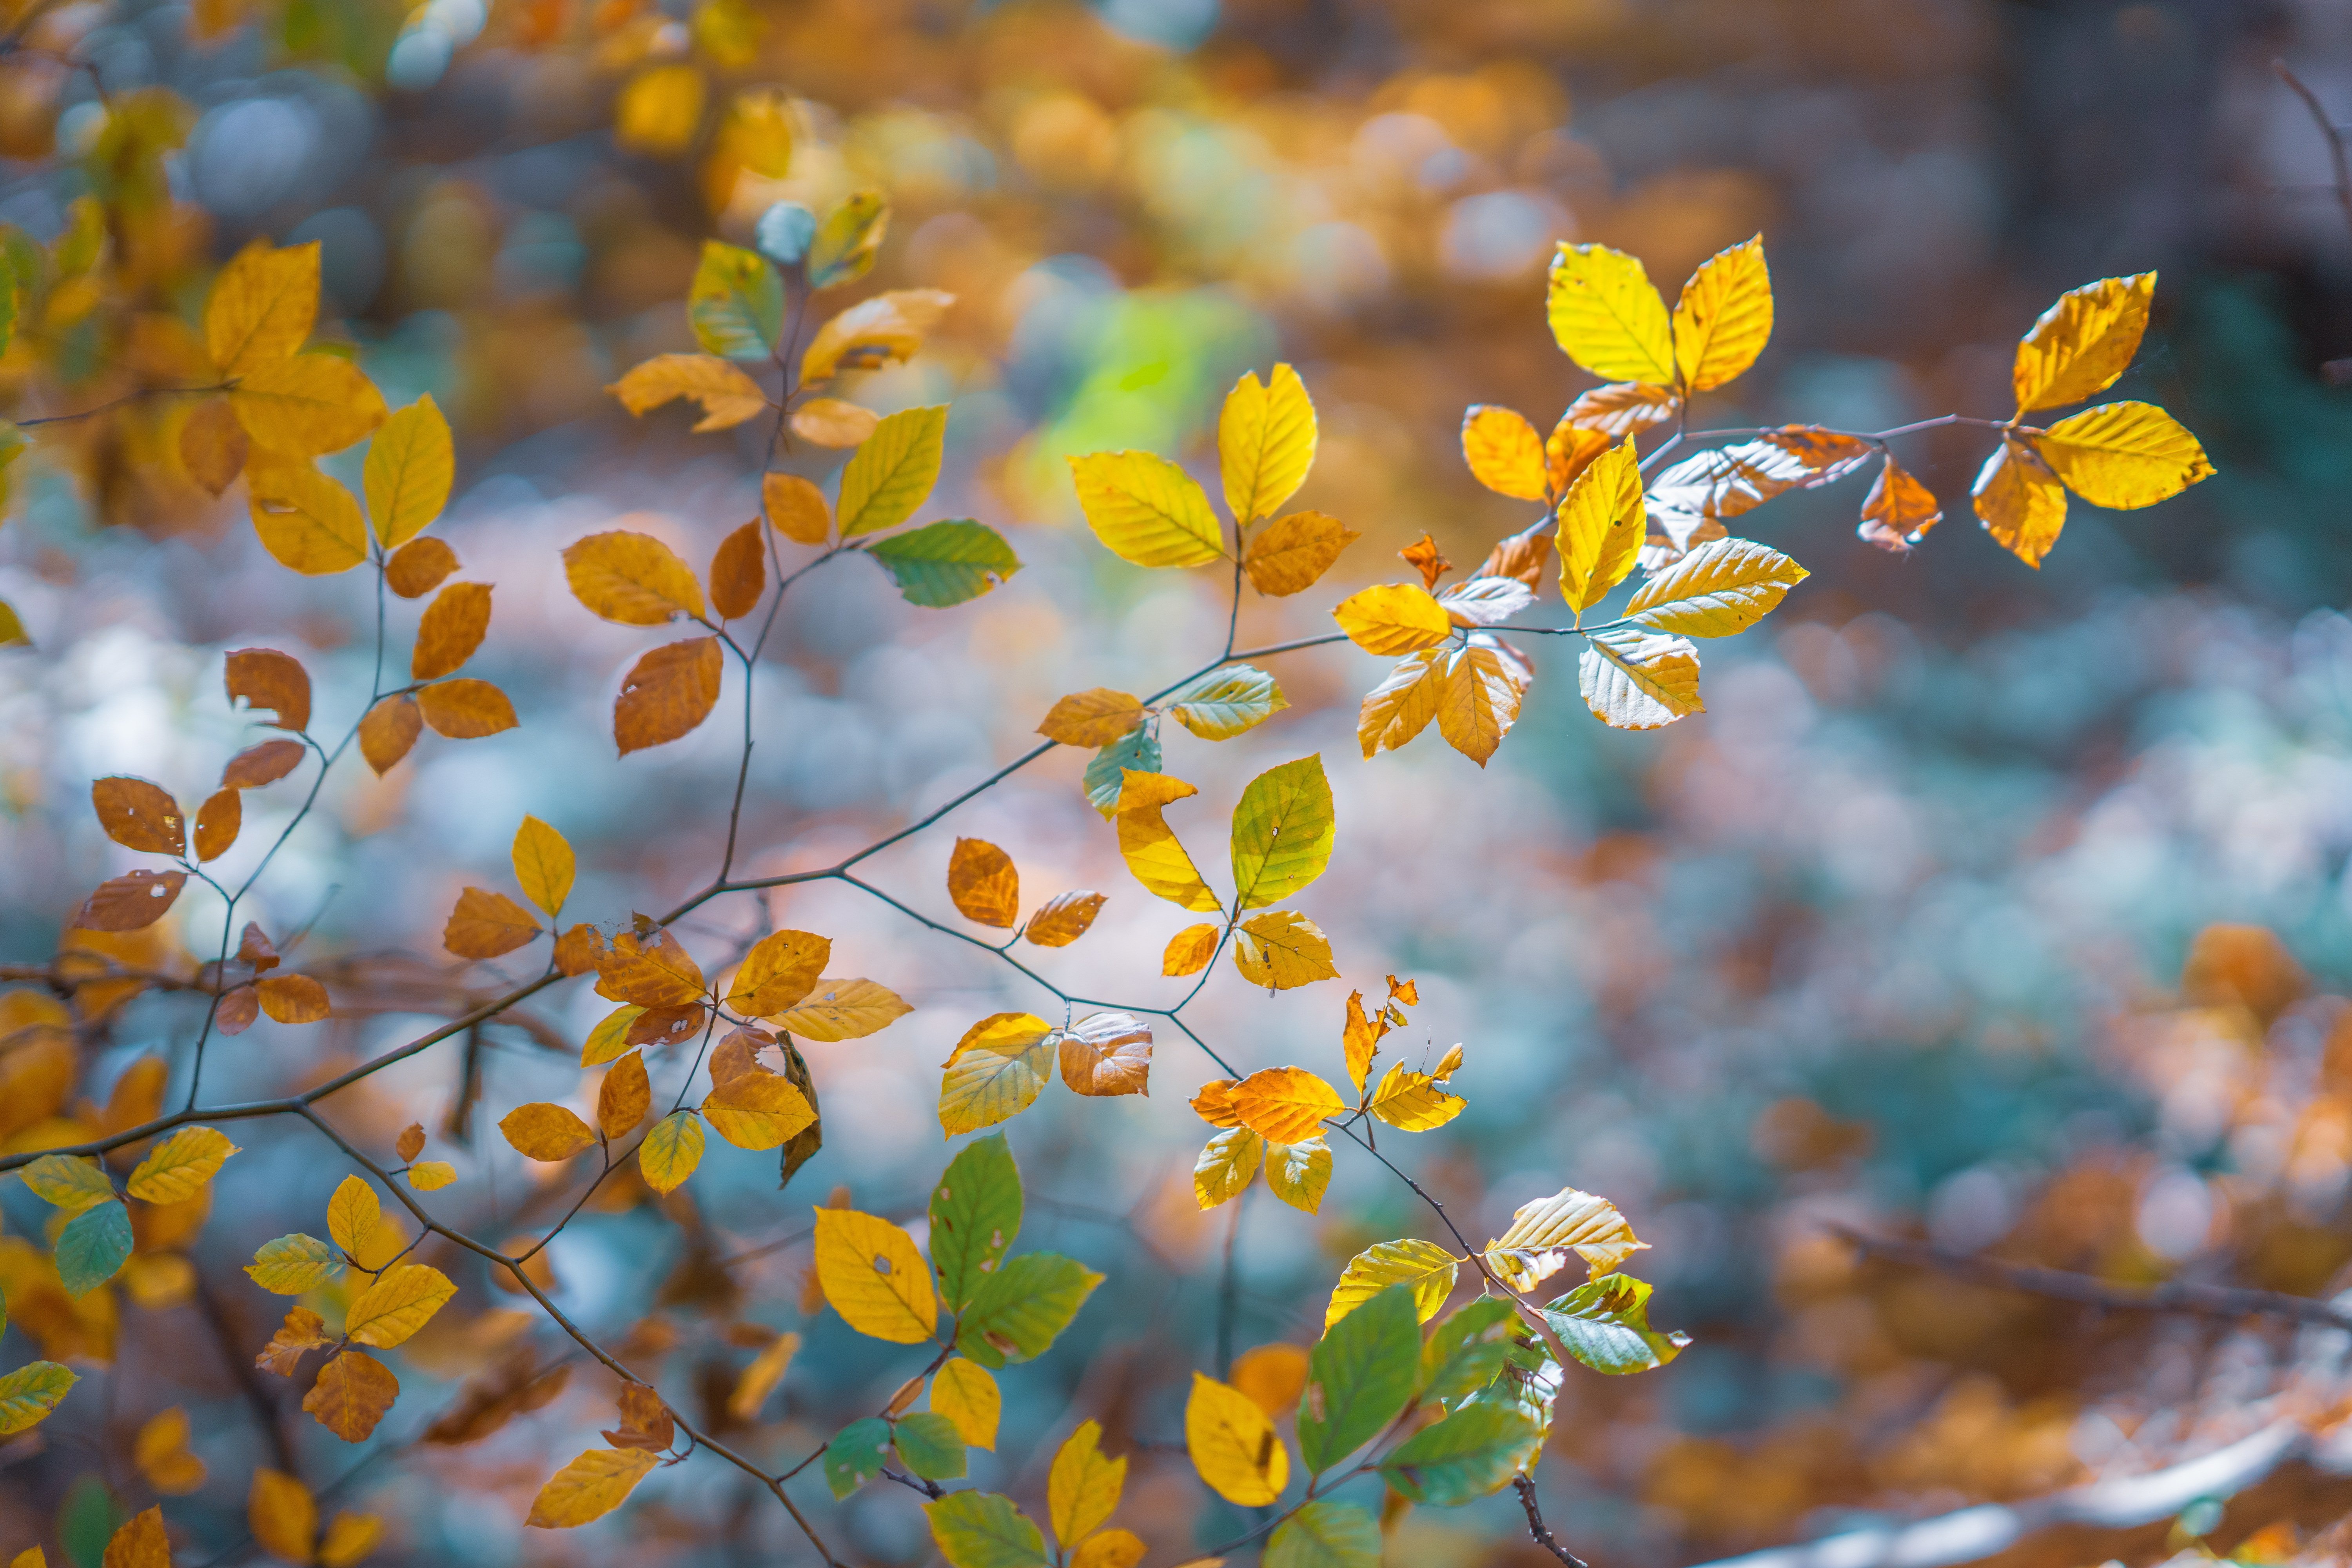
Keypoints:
pixel 306 521
pixel 1282 833
pixel 1093 717
pixel 1622 408
pixel 1607 318
pixel 2083 343
pixel 1486 681
pixel 1725 316
pixel 945 563
pixel 352 1394
pixel 1358 1377
pixel 843 1010
pixel 1899 509
pixel 996 1070
pixel 485 924
pixel 781 970
pixel 1266 443
pixel 2020 502
pixel 1063 918
pixel 2123 455
pixel 1425 1268
pixel 1190 950
pixel 1403 703
pixel 888 477
pixel 1639 681
pixel 1506 453
pixel 1567 1221
pixel 1150 847
pixel 1605 1324
pixel 874 1278
pixel 1719 588
pixel 1226 702
pixel 1282 948
pixel 306 406
pixel 1299 1173
pixel 1392 618
pixel 1233 1446
pixel 1146 509
pixel 262 306
pixel 1226 1164
pixel 727 396
pixel 1467 1455
pixel 590 1487
pixel 1285 1104
pixel 1601 527
pixel 758 1111
pixel 1106 1054
pixel 882 331
pixel 1291 554
pixel 545 1132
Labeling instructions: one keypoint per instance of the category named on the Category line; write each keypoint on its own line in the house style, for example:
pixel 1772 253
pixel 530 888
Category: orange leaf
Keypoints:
pixel 292 998
pixel 269 679
pixel 1108 1053
pixel 1063 918
pixel 983 883
pixel 795 509
pixel 739 572
pixel 218 823
pixel 668 692
pixel 263 764
pixel 417 567
pixel 485 924
pixel 138 816
pixel 465 709
pixel 452 628
pixel 131 901
pixel 387 732
pixel 352 1394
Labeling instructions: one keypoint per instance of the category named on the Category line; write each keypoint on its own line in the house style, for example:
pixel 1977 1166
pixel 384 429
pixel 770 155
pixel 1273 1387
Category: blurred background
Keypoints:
pixel 1993 908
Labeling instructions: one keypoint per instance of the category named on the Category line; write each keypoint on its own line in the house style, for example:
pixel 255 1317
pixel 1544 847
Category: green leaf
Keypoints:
pixel 944 564
pixel 930 1445
pixel 854 1456
pixel 1226 702
pixel 293 1264
pixel 843 250
pixel 1605 1324
pixel 975 1214
pixel 1467 1351
pixel 28 1394
pixel 888 476
pixel 1282 833
pixel 1136 750
pixel 68 1182
pixel 981 1529
pixel 1022 1307
pixel 1470 1453
pixel 1324 1534
pixel 737 303
pixel 609 1040
pixel 92 1246
pixel 1358 1377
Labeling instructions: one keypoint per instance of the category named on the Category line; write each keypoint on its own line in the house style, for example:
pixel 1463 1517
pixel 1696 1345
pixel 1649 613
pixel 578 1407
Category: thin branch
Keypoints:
pixel 1539 1529
pixel 2337 159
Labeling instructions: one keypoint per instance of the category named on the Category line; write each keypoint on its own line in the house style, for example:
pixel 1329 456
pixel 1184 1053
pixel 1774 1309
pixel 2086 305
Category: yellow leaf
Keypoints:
pixel 795 509
pixel 1423 1267
pixel 1622 408
pixel 1403 703
pixel 848 239
pixel 670 1151
pixel 657 112
pixel 997 1069
pixel 1484 684
pixel 546 1132
pixel 306 406
pixel 1639 681
pixel 1282 949
pixel 1291 554
pixel 1413 1101
pixel 1226 1165
pixel 2123 455
pixel 1152 850
pixel 1286 1105
pixel 1083 1487
pixel 1274 1376
pixel 1607 318
pixel 1725 316
pixel 262 307
pixel 1146 509
pixel 402 1301
pixel 1189 951
pixel 176 1169
pixel 544 865
pixel 349 1537
pixel 843 1010
pixel 1393 618
pixel 983 882
pixel 882 331
pixel 1505 452
pixel 161 1452
pixel 1266 443
pixel 758 1111
pixel 353 1215
pixel 282 1515
pixel 1233 1445
pixel 1601 527
pixel 888 477
pixel 140 1543
pixel 760 1378
pixel 632 578
pixel 1298 1173
pixel 967 1395
pixel 590 1487
pixel 430 1175
pixel 1092 718
pixel 306 521
pixel 1567 1221
pixel 1110 1549
pixel 780 969
pixel 2083 343
pixel 410 466
pixel 2020 502
pixel 1360 1038
pixel 870 1272
pixel 1721 587
pixel 727 396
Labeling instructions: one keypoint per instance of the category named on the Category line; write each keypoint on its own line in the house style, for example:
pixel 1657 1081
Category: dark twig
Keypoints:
pixel 2336 158
pixel 1539 1529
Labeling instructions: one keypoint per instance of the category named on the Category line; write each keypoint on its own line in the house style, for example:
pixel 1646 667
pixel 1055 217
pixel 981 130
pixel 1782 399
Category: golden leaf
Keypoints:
pixel 138 816
pixel 1110 1549
pixel 306 404
pixel 738 572
pixel 1606 317
pixel 727 396
pixel 1083 1487
pixel 1146 509
pixel 625 1095
pixel 1091 718
pixel 1567 1221
pixel 1568 451
pixel 544 865
pixel 1272 1376
pixel 138 1543
pixel 758 1111
pixel 843 1010
pixel 1639 681
pixel 874 1278
pixel 1423 1267
pixel 795 509
pixel 2123 455
pixel 1233 1445
pixel 1298 1173
pixel 178 1168
pixel 1403 703
pixel 1282 948
pixel 418 567
pixel 352 1394
pixel 2083 343
pixel 1413 1103
pixel 1286 1105
pixel 650 969
pixel 760 1378
pixel 1719 588
pixel 658 111
pixel 453 626
pixel 161 1452
pixel 1108 1053
pixel 1151 848
pixel 485 924
pixel 354 1217
pixel 1601 527
pixel 307 521
pixel 1725 316
pixel 464 710
pixel 590 1487
pixel 1190 950
pixel 1266 443
pixel 303 1330
pixel 410 466
pixel 546 1132
pixel 668 694
pixel 670 1151
pixel 1505 452
pixel 402 1301
pixel 995 1071
pixel 283 1516
pixel 262 306
pixel 1063 918
pixel 780 969
pixel 389 731
pixel 967 1395
pixel 882 331
pixel 1392 618
pixel 350 1537
pixel 2020 502
pixel 983 882
pixel 1485 683
pixel 213 445
pixel 1899 509
pixel 830 422
pixel 632 578
pixel 1291 554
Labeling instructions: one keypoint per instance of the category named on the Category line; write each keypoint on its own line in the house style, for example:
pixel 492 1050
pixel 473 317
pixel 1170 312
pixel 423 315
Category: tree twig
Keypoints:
pixel 1539 1529
pixel 2336 158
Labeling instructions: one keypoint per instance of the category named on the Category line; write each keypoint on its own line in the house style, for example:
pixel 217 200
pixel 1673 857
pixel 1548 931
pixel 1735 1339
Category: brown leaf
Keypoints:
pixel 1899 509
pixel 139 816
pixel 1522 555
pixel 352 1394
pixel 411 1142
pixel 418 567
pixel 983 882
pixel 1093 717
pixel 625 1094
pixel 387 732
pixel 282 1515
pixel 465 709
pixel 218 821
pixel 795 509
pixel 213 444
pixel 130 902
pixel 272 681
pixel 645 1419
pixel 1423 556
pixel 292 998
pixel 238 1011
pixel 665 1026
pixel 737 1054
pixel 577 950
pixel 1108 1053
pixel 1291 554
pixel 1063 918
pixel 485 924
pixel 140 1543
pixel 304 1330
pixel 739 572
pixel 262 765
pixel 670 691
pixel 453 626
pixel 253 948
pixel 648 967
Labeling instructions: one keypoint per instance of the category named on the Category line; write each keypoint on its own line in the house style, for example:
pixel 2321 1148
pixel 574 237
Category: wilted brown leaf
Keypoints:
pixel 271 681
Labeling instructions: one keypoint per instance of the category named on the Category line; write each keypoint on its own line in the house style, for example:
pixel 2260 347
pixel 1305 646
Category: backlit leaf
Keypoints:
pixel 402 1301
pixel 1266 443
pixel 1725 316
pixel 1282 833
pixel 671 1149
pixel 667 693
pixel 996 1070
pixel 758 1111
pixel 1106 1054
pixel 2083 343
pixel 1607 318
pixel 1899 509
pixel 1485 681
pixel 1605 1324
pixel 843 1010
pixel 1282 948
pixel 1291 554
pixel 1147 510
pixel 882 331
pixel 2123 455
pixel 1623 408
pixel 942 564
pixel 1484 601
pixel 1226 702
pixel 262 306
pixel 1423 1267
pixel 727 396
pixel 1299 1173
pixel 983 882
pixel 1063 918
pixel 545 1132
pixel 350 1538
pixel 1506 453
pixel 1719 588
pixel 632 578
pixel 1233 1447
pixel 1358 1377
pixel 649 968
pixel 1601 527
pixel 1413 1101
pixel 1467 1455
pixel 1568 451
pixel 890 475
pixel 590 1487
pixel 2020 502
pixel 1567 1221
pixel 179 1168
pixel 1225 1167
pixel 1392 618
pixel 1467 1351
pixel 1020 1310
pixel 781 970
pixel 306 404
pixel 1150 847
pixel 736 303
pixel 1286 1104
pixel 1110 1549
pixel 874 1278
pixel 1636 680
pixel 1190 950
pixel 1403 703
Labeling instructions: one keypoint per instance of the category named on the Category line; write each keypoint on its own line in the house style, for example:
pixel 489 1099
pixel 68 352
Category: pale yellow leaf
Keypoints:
pixel 1226 1165
pixel 997 1069
pixel 1151 849
pixel 1607 318
pixel 843 1010
pixel 1639 681
pixel 1233 1445
pixel 1393 618
pixel 727 396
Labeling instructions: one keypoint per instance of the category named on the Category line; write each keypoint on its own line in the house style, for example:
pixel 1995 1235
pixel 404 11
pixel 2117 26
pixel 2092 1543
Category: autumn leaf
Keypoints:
pixel 983 882
pixel 355 1218
pixel 213 445
pixel 271 681
pixel 1106 1054
pixel 625 1095
pixel 847 238
pixel 945 563
pixel 1394 618
pixel 544 865
pixel 1568 451
pixel 1403 703
pixel 306 405
pixel 2020 502
pixel 1282 833
pixel 738 572
pixel 759 1379
pixel 308 521
pixel 293 1264
pixel 139 1542
pixel 1299 1173
pixel 545 1132
pixel 1092 718
pixel 1190 950
pixel 649 968
pixel 590 1487
pixel 670 1151
pixel 138 816
pixel 1282 948
pixel 2123 455
pixel 1226 1165
pixel 727 396
pixel 389 731
pixel 263 764
pixel 1568 1221
pixel 1150 847
pixel 874 1278
pixel 1083 1486
pixel 736 302
pixel 29 1393
pixel 464 710
pixel 1063 918
pixel 966 1394
pixel 1286 1104
pixel 1486 681
pixel 1899 509
pixel 1146 509
pixel 1266 443
pixel 1601 527
pixel 1622 408
pixel 262 306
pixel 1233 1447
pixel 179 1168
pixel 352 1394
pixel 218 822
pixel 1425 1268
pixel 667 694
pixel 161 1452
pixel 795 509
pixel 1639 681
pixel 402 1301
pixel 1505 452
pixel 1291 554
pixel 411 464
pixel 632 578
pixel 758 1111
pixel 978 1530
pixel 1226 702
pixel 282 1515
pixel 882 331
pixel 889 476
pixel 2083 343
pixel 131 901
pixel 418 567
pixel 485 924
pixel 1413 1103
pixel 1607 318
pixel 843 1010
pixel 1724 318
pixel 995 1071
pixel 453 626
pixel 1718 589
pixel 780 969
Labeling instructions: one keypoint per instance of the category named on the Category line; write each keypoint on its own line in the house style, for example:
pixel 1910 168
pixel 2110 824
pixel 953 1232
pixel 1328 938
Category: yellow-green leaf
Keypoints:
pixel 671 1149
pixel 410 466
pixel 293 1264
pixel 964 1392
pixel 68 1181
pixel 1601 527
pixel 176 1169
pixel 1146 509
pixel 1282 832
pixel 1226 1165
pixel 1266 442
pixel 1298 1173
pixel 28 1394
pixel 997 1069
pixel 888 478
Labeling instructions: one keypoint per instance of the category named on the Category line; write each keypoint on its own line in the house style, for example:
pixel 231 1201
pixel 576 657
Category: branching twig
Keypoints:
pixel 2338 161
